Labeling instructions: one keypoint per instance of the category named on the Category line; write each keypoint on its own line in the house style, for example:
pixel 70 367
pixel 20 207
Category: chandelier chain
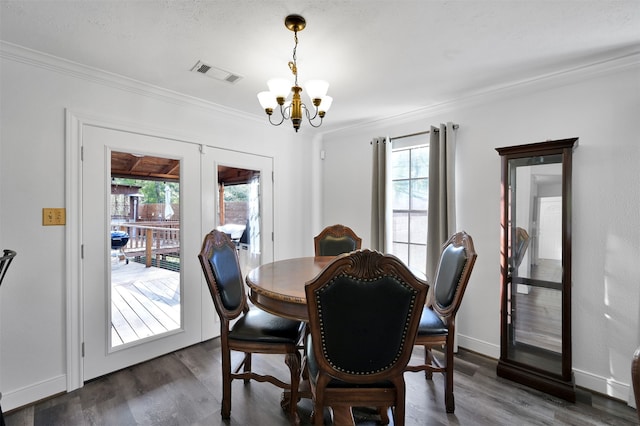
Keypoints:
pixel 293 65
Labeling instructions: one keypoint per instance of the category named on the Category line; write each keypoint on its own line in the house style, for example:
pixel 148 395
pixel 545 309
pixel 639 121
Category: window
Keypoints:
pixel 410 198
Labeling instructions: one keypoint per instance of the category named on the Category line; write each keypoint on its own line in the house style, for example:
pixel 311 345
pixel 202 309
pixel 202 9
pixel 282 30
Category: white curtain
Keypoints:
pixel 381 214
pixel 253 221
pixel 168 210
pixel 442 207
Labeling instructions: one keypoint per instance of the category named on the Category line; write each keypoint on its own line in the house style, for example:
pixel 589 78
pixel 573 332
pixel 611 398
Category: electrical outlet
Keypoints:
pixel 53 217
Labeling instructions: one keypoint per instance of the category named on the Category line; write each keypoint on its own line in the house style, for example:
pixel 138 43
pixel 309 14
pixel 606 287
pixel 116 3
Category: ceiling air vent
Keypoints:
pixel 215 73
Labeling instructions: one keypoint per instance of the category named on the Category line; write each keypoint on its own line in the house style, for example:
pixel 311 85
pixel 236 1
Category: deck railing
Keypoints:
pixel 150 239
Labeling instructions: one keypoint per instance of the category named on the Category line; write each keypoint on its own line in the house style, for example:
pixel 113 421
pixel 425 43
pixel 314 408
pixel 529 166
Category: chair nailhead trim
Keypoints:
pixel 322 333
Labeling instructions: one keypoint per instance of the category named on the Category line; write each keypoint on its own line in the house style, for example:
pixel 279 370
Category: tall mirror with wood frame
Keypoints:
pixel 535 306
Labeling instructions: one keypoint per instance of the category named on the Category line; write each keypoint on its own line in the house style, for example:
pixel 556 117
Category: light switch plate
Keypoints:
pixel 53 216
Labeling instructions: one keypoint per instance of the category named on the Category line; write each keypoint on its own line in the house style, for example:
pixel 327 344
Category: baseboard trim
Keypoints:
pixel 479 346
pixel 583 379
pixel 33 393
pixel 603 385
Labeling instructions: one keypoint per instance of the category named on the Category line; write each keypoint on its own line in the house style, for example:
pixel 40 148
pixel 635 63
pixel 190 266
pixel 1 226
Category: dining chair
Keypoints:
pixel 5 261
pixel 635 379
pixel 254 331
pixel 364 309
pixel 437 324
pixel 335 240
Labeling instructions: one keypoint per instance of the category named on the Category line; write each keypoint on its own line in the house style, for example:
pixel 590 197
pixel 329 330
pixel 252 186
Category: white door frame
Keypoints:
pixel 75 122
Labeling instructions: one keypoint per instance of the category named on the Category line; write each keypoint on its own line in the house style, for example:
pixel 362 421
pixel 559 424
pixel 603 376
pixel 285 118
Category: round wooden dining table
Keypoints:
pixel 278 287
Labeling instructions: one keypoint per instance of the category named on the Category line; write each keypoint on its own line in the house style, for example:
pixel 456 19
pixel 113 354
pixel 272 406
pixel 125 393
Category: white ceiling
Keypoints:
pixel 382 58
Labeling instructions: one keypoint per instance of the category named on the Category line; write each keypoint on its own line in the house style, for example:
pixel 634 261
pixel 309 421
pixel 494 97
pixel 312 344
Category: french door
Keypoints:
pixel 258 248
pixel 99 143
pixel 102 302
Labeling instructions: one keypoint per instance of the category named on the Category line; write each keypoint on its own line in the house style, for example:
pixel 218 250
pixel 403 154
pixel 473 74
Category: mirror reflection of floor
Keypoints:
pixel 538 318
pixel 547 270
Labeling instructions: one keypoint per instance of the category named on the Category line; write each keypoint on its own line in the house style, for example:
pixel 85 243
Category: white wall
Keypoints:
pixel 601 109
pixel 35 91
pixel 601 106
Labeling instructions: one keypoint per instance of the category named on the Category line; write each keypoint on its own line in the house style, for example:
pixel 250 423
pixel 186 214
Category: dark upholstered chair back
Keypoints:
pixel 454 268
pixel 635 379
pixel 253 331
pixel 335 240
pixel 438 323
pixel 219 261
pixel 5 261
pixel 364 310
pixel 520 246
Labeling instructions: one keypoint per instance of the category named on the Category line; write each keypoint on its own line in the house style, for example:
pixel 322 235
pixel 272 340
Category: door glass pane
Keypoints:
pixel 239 212
pixel 145 247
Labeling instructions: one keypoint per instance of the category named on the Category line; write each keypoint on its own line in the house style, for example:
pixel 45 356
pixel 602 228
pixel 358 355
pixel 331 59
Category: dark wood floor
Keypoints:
pixel 184 388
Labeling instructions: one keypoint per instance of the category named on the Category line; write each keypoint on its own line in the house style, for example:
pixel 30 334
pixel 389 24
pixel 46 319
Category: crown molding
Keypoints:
pixel 506 90
pixel 48 62
pixel 509 89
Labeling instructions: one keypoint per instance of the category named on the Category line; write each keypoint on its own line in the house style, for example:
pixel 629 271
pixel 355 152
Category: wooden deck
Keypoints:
pixel 144 301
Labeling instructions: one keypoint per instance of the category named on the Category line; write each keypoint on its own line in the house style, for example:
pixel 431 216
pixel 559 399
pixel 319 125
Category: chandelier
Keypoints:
pixel 280 88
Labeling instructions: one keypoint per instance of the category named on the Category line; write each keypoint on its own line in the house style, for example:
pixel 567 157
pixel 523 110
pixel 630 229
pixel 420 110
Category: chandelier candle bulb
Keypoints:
pixel 317 89
pixel 280 88
pixel 268 101
pixel 325 105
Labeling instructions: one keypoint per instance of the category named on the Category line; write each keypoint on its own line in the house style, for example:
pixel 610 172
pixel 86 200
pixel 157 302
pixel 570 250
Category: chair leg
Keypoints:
pixel 318 415
pixel 318 401
pixel 293 361
pixel 399 411
pixel 449 400
pixel 428 360
pixel 383 412
pixel 226 384
pixel 247 366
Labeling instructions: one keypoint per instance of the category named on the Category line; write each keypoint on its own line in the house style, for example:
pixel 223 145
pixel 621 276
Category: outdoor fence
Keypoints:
pixel 150 239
